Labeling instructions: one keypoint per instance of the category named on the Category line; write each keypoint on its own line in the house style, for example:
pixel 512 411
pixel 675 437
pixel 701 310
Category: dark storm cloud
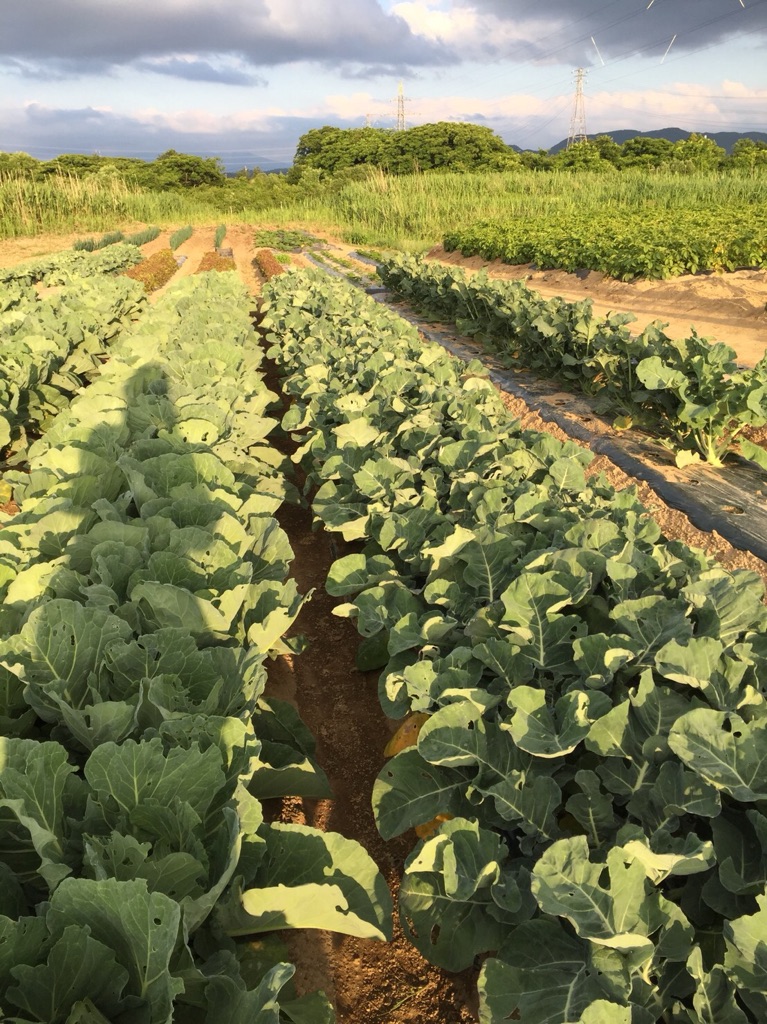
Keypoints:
pixel 561 30
pixel 90 34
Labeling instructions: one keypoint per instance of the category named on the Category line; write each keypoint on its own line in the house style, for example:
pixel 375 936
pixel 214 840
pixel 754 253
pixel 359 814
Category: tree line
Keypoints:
pixel 328 157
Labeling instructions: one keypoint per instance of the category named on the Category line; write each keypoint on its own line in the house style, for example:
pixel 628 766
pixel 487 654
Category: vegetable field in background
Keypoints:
pixel 690 393
pixel 624 244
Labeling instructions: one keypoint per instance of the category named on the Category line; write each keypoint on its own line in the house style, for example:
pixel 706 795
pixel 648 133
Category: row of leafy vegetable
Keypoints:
pixel 59 268
pixel 648 243
pixel 588 697
pixel 689 392
pixel 144 585
pixel 51 344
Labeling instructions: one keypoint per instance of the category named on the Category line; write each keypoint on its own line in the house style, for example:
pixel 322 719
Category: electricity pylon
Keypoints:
pixel 401 108
pixel 578 120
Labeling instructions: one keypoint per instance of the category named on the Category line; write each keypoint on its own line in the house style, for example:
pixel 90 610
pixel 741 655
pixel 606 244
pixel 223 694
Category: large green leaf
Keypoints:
pixel 714 999
pixel 621 915
pixel 77 967
pixel 410 791
pixel 311 879
pixel 40 794
pixel 555 732
pixel 542 976
pixel 746 956
pixel 458 896
pixel 727 751
pixel 139 927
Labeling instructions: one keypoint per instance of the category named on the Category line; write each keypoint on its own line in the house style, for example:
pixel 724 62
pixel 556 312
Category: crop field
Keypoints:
pixel 332 686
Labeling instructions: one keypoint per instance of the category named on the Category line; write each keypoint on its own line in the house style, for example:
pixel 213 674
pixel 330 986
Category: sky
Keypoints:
pixel 244 79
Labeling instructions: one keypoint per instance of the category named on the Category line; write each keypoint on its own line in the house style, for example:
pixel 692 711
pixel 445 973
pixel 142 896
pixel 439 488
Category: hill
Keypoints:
pixel 724 139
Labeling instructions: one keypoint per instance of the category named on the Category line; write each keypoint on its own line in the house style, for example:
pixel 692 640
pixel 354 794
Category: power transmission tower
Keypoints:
pixel 578 120
pixel 401 108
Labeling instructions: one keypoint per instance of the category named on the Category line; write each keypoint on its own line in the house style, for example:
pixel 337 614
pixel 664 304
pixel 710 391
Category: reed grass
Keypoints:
pixel 63 203
pixel 410 212
pixel 416 211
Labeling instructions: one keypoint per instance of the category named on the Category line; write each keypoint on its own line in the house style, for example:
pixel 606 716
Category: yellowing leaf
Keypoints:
pixel 427 830
pixel 623 423
pixel 407 734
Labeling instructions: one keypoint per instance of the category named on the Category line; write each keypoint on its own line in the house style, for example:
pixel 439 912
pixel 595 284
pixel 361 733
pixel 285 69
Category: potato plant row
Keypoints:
pixel 584 699
pixel 690 393
pixel 646 243
pixel 145 584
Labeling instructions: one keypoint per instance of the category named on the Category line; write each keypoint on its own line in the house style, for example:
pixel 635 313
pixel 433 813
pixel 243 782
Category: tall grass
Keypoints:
pixel 416 211
pixel 63 203
pixel 410 212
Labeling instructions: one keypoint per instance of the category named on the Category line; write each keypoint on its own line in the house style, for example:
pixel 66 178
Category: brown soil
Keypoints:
pixel 724 307
pixel 369 982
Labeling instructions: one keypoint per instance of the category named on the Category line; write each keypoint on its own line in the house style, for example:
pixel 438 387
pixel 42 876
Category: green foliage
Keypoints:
pixel 64 267
pixel 285 240
pixel 144 585
pixel 180 236
pixel 596 714
pixel 51 346
pixel 219 236
pixel 625 245
pixel 142 237
pixel 446 145
pixel 691 391
pixel 91 244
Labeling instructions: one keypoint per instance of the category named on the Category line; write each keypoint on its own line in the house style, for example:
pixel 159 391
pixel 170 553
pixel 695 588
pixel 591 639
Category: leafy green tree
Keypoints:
pixel 76 164
pixel 608 149
pixel 536 160
pixel 749 155
pixel 18 163
pixel 582 156
pixel 449 146
pixel 643 151
pixel 696 153
pixel 182 170
pixel 444 145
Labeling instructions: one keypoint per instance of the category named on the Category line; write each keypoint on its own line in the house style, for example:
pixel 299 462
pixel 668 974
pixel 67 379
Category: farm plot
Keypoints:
pixel 690 392
pixel 625 244
pixel 144 584
pixel 583 700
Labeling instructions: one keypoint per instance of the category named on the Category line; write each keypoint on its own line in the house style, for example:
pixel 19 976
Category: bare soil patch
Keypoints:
pixel 16 250
pixel 369 982
pixel 724 307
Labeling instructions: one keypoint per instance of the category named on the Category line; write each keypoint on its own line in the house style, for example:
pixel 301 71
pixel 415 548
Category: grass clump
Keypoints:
pixel 219 236
pixel 91 244
pixel 180 236
pixel 142 237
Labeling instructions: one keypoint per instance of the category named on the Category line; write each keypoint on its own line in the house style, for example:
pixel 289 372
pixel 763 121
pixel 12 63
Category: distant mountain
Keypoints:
pixel 724 139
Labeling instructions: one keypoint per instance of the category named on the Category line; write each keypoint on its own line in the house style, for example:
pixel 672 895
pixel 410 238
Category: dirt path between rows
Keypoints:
pixel 369 982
